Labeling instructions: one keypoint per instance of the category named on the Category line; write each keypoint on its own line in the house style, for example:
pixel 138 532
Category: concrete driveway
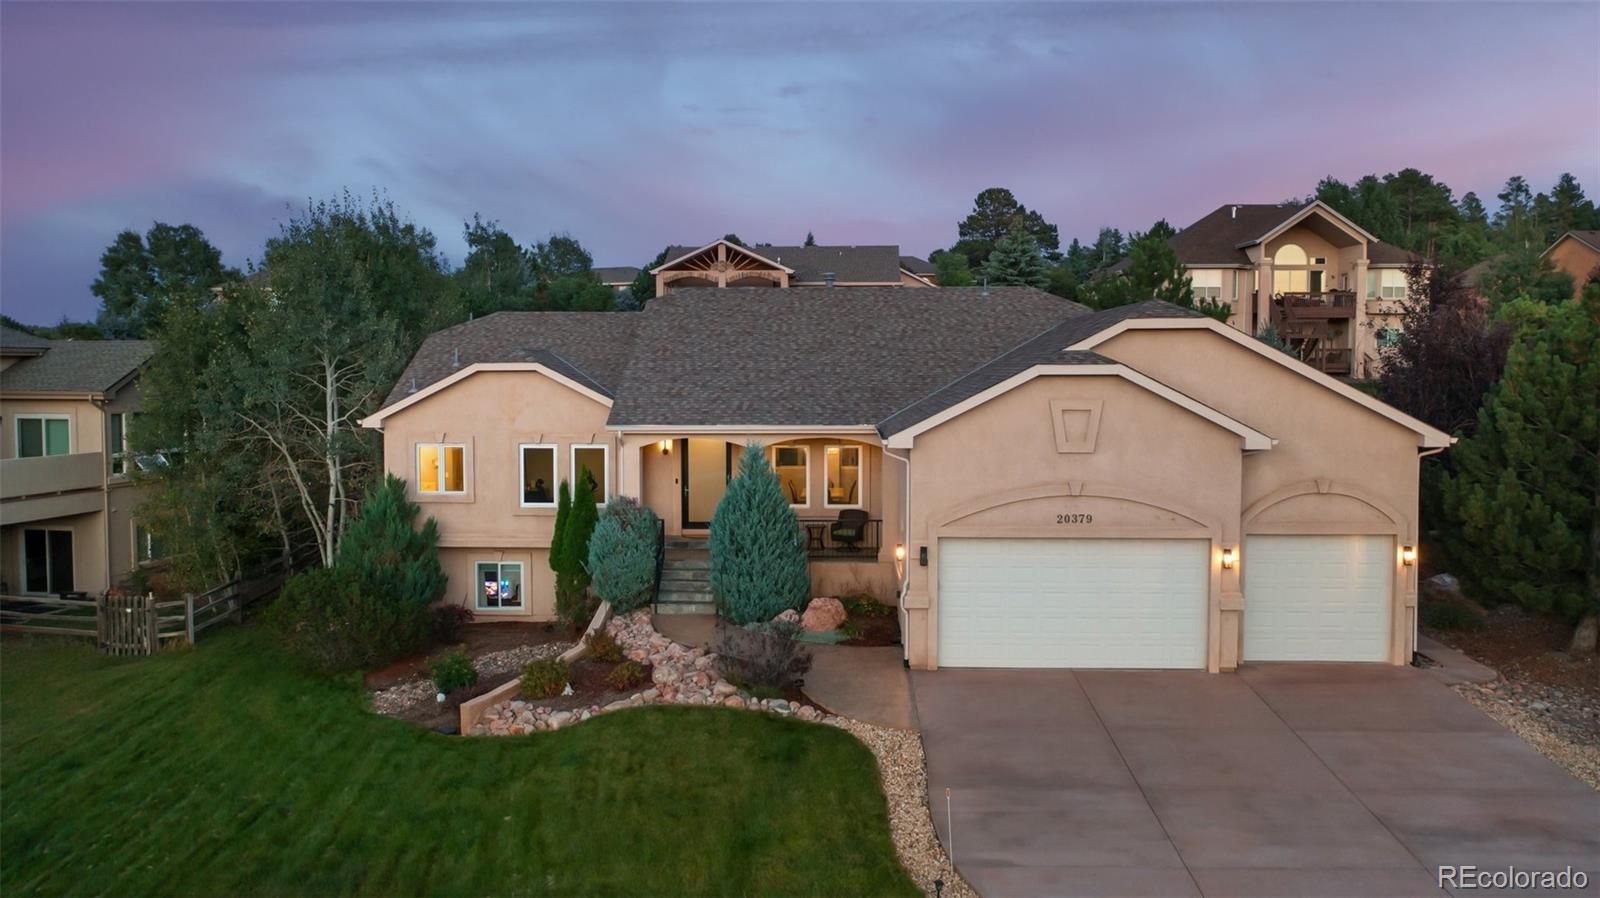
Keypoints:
pixel 1330 780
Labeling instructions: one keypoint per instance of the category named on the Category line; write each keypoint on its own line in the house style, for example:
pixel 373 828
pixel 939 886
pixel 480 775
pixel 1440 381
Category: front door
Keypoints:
pixel 707 466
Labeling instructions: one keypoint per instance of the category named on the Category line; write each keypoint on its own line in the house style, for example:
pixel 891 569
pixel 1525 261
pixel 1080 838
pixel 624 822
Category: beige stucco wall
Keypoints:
pixel 1157 471
pixel 1576 259
pixel 88 551
pixel 87 422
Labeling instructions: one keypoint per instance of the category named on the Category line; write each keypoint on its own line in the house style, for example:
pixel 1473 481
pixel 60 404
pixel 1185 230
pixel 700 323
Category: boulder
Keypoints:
pixel 1442 588
pixel 789 615
pixel 823 614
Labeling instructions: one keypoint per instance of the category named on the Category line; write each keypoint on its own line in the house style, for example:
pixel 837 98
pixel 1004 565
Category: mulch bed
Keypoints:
pixel 1523 645
pixel 589 687
pixel 476 640
pixel 445 717
pixel 876 629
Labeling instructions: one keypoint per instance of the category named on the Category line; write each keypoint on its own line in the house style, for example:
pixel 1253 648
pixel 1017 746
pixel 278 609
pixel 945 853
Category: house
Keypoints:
pixel 1044 486
pixel 723 263
pixel 1330 289
pixel 1578 254
pixel 618 277
pixel 66 504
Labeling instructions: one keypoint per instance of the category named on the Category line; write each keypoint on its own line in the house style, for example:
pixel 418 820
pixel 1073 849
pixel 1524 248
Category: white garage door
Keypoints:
pixel 1133 603
pixel 1317 598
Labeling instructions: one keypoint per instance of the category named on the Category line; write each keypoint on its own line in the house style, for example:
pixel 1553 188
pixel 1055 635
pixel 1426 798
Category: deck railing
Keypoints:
pixel 822 542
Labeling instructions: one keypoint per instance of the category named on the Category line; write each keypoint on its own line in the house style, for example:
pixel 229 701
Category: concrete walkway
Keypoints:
pixel 1309 779
pixel 865 683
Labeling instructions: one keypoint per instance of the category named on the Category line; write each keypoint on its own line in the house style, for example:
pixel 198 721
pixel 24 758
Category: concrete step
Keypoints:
pixel 687 564
pixel 679 596
pixel 697 574
pixel 686 608
pixel 693 544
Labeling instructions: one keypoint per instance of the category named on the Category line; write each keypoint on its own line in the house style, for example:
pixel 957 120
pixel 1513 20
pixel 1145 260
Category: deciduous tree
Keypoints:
pixel 142 276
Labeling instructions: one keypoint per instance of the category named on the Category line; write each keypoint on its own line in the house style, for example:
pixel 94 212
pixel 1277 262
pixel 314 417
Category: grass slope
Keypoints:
pixel 221 771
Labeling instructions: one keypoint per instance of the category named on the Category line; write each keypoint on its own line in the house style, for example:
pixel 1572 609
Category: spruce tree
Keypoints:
pixel 758 557
pixel 570 559
pixel 386 548
pixel 563 515
pixel 1523 498
pixel 1016 262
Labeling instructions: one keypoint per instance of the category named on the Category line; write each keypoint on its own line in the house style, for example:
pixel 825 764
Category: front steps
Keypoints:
pixel 686 579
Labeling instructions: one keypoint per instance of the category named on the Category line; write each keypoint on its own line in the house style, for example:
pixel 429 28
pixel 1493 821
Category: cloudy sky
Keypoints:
pixel 633 126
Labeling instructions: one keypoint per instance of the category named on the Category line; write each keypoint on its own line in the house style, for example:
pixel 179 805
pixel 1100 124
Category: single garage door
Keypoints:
pixel 1131 603
pixel 1317 598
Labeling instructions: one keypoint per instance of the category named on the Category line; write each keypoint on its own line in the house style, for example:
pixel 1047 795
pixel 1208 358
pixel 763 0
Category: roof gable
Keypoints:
pixel 78 366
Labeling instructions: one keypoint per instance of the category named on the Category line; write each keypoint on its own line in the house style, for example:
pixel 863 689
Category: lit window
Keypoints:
pixel 792 464
pixel 590 473
pixel 844 477
pixel 1289 254
pixel 499 585
pixel 1206 284
pixel 538 475
pixel 1392 284
pixel 441 468
pixel 39 435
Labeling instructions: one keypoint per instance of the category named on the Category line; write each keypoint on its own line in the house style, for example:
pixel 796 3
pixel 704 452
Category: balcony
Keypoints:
pixel 50 486
pixel 1328 360
pixel 1333 305
pixel 831 538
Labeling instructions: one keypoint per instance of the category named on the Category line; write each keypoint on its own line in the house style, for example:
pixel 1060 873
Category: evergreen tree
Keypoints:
pixel 758 556
pixel 142 276
pixel 811 239
pixel 558 535
pixel 571 557
pixel 1524 498
pixel 643 287
pixel 1153 272
pixel 1524 270
pixel 996 213
pixel 1016 262
pixel 497 274
pixel 386 548
pixel 622 554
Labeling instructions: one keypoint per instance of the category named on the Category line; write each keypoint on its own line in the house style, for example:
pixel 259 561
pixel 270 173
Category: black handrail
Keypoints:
pixel 820 541
pixel 661 561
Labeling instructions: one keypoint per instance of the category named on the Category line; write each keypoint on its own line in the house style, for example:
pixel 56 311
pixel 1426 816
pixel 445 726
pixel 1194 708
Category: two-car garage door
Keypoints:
pixel 1131 603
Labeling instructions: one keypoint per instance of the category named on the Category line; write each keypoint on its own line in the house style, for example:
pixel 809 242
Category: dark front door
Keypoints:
pixel 707 465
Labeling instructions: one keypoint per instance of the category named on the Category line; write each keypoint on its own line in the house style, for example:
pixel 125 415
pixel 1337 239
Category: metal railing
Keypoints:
pixel 830 538
pixel 661 561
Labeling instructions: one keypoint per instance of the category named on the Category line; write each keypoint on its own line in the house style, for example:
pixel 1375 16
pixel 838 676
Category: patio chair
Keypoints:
pixel 851 527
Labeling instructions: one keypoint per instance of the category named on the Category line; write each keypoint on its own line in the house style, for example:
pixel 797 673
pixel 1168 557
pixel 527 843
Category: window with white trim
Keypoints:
pixel 591 471
pixel 537 462
pixel 117 438
pixel 441 468
pixel 1206 284
pixel 146 548
pixel 843 467
pixel 499 585
pixel 1392 283
pixel 792 464
pixel 39 435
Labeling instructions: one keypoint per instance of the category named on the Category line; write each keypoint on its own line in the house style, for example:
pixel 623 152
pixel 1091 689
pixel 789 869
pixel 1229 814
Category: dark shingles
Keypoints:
pixel 11 338
pixel 77 366
pixel 1380 253
pixel 1215 239
pixel 917 265
pixel 616 274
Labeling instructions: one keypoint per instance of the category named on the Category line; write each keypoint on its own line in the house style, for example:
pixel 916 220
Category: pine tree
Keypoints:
pixel 387 549
pixel 557 536
pixel 1524 496
pixel 758 558
pixel 622 554
pixel 811 239
pixel 569 554
pixel 1016 262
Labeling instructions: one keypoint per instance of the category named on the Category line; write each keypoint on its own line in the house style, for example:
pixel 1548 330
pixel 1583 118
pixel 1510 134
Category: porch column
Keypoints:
pixel 1261 308
pixel 1362 340
pixel 630 476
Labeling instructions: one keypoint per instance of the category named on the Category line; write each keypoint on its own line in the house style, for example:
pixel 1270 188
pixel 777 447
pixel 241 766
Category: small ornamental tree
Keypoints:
pixel 1522 501
pixel 622 554
pixel 758 558
pixel 563 516
pixel 573 604
pixel 397 559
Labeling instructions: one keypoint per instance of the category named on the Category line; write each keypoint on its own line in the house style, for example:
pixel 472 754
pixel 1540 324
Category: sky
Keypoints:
pixel 632 126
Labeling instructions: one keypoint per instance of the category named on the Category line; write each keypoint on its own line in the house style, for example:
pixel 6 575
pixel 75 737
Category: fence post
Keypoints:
pixel 151 615
pixel 238 603
pixel 188 616
pixel 100 616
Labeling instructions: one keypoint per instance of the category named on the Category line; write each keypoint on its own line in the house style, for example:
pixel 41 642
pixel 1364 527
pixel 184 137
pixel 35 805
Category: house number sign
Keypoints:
pixel 1081 518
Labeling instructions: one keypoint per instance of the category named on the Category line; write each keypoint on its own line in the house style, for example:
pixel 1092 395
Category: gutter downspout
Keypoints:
pixel 905 537
pixel 1415 635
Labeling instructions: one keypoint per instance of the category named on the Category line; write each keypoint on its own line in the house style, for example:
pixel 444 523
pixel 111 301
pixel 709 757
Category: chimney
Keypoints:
pixel 828 278
pixel 1233 212
pixel 455 357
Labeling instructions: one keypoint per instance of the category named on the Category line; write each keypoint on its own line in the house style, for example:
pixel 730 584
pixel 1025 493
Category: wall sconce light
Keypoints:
pixel 1230 557
pixel 922 555
pixel 1408 555
pixel 900 559
pixel 666 446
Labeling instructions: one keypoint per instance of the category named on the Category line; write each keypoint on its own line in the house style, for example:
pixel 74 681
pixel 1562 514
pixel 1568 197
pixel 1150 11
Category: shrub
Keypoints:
pixel 1451 616
pixel 863 605
pixel 331 619
pixel 852 629
pixel 603 647
pixel 384 545
pixel 446 623
pixel 627 675
pixel 452 672
pixel 766 654
pixel 546 678
pixel 758 556
pixel 622 554
pixel 575 521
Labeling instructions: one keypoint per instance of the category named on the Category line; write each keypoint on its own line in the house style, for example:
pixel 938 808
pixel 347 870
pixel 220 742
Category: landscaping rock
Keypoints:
pixel 823 614
pixel 789 616
pixel 1442 588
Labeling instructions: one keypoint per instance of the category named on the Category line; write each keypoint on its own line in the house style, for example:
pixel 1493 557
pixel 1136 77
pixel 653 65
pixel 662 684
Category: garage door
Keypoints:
pixel 1135 603
pixel 1317 598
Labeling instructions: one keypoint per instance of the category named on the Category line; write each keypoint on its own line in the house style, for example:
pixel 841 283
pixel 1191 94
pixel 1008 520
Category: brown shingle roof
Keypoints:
pixel 1590 239
pixel 78 366
pixel 917 265
pixel 1215 239
pixel 616 274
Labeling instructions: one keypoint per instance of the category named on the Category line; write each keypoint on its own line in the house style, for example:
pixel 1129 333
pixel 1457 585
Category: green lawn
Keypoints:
pixel 220 771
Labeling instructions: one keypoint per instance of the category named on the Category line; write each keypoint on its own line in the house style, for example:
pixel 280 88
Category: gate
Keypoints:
pixel 128 624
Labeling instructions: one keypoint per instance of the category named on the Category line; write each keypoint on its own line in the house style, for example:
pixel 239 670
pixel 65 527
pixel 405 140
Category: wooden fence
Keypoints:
pixel 135 623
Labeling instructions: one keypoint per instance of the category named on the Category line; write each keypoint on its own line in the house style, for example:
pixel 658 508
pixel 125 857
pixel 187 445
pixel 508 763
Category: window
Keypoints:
pixel 43 435
pixel 47 561
pixel 1392 283
pixel 441 468
pixel 146 548
pixel 1206 285
pixel 1289 254
pixel 117 437
pixel 792 464
pixel 844 477
pixel 499 585
pixel 1372 285
pixel 1290 280
pixel 538 475
pixel 1388 336
pixel 591 460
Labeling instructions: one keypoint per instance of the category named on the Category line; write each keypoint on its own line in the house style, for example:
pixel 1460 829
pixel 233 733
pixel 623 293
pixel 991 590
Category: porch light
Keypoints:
pixel 666 446
pixel 900 559
pixel 1408 555
pixel 1230 557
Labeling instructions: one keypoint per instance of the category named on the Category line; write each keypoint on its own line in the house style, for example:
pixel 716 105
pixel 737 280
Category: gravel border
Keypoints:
pixel 396 699
pixel 1560 744
pixel 904 773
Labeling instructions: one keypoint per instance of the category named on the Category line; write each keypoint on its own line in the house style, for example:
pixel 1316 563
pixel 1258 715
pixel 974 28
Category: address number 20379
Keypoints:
pixel 1081 518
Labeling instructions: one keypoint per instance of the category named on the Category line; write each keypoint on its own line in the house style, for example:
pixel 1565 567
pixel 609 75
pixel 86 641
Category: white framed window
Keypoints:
pixel 46 561
pixel 441 468
pixel 595 458
pixel 792 464
pixel 842 464
pixel 1206 284
pixel 39 435
pixel 1388 336
pixel 146 548
pixel 117 441
pixel 499 585
pixel 536 463
pixel 1392 283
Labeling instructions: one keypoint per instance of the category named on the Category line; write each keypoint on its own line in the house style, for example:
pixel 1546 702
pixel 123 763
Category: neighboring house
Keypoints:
pixel 920 268
pixel 1578 254
pixel 1329 288
pixel 1045 486
pixel 725 264
pixel 66 504
pixel 618 277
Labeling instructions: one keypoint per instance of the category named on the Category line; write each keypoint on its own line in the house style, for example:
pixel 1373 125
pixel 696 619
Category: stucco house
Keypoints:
pixel 1329 288
pixel 1046 486
pixel 66 503
pixel 1578 254
pixel 722 263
